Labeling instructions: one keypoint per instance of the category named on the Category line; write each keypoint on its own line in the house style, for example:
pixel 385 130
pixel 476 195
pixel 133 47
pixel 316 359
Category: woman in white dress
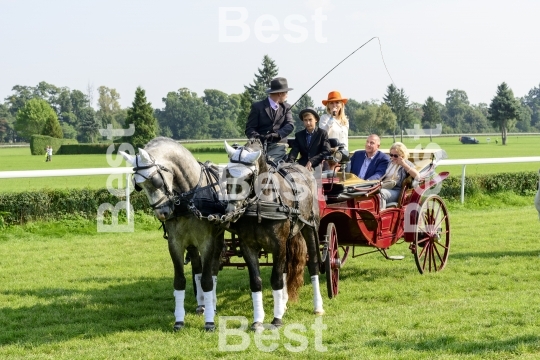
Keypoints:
pixel 335 122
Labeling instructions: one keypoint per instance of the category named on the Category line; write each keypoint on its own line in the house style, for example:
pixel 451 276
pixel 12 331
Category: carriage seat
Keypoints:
pixel 338 189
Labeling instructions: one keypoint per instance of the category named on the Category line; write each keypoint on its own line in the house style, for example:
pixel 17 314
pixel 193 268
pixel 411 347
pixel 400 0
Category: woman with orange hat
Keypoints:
pixel 335 122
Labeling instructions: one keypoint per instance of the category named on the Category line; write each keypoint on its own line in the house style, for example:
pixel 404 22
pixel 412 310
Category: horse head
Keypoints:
pixel 156 180
pixel 245 163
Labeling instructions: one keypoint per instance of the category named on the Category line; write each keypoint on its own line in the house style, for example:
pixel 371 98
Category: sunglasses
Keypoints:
pixel 394 155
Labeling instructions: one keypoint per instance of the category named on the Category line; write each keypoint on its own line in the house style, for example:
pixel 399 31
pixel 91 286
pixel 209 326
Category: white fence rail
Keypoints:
pixel 129 170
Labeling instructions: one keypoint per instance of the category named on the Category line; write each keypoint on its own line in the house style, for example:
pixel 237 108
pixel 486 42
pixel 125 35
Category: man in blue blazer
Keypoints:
pixel 370 164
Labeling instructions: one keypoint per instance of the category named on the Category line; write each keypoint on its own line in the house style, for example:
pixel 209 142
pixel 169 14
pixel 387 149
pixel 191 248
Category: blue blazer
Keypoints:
pixel 375 170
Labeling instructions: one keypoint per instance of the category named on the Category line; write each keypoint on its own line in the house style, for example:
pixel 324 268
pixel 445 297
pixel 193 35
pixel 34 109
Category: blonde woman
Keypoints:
pixel 335 122
pixel 398 169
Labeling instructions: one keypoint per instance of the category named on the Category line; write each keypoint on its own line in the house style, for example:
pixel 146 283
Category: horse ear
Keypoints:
pixel 230 150
pixel 129 158
pixel 145 156
pixel 252 157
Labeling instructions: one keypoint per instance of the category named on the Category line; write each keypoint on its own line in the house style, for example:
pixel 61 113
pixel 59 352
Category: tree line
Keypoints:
pixel 64 113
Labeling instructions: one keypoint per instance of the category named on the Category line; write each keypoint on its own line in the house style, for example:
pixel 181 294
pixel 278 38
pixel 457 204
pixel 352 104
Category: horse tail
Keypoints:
pixel 296 262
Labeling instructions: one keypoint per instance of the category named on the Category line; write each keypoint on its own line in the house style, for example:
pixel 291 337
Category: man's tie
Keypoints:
pixel 308 138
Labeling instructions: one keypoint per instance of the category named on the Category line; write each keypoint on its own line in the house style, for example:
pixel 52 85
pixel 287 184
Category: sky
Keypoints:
pixel 428 46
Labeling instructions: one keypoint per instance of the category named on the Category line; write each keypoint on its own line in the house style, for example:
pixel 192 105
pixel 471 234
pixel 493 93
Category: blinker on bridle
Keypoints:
pixel 157 182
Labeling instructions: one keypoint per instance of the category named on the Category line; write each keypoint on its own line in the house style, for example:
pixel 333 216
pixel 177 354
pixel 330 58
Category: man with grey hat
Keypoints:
pixel 271 119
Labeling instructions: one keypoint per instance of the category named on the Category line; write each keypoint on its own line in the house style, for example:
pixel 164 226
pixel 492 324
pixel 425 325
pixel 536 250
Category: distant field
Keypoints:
pixel 20 159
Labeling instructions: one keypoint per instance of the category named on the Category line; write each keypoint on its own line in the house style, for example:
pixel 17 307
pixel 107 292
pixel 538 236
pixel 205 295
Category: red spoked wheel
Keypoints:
pixel 432 235
pixel 332 262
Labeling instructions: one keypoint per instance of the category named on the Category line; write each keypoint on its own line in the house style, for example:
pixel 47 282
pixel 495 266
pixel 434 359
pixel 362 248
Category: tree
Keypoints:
pixel 243 113
pixel 503 110
pixel 432 115
pixel 364 117
pixel 525 117
pixel 88 127
pixel 6 124
pixel 350 110
pixel 141 115
pixel 457 105
pixel 399 103
pixel 223 111
pixel 372 118
pixel 52 127
pixel 303 103
pixel 32 117
pixel 185 115
pixel 108 106
pixel 262 80
pixel 532 100
pixel 16 101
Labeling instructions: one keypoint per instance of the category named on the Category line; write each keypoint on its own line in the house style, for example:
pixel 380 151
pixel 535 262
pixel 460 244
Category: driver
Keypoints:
pixel 271 120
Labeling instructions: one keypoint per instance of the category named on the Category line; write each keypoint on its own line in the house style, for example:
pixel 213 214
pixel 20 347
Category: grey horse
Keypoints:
pixel 177 186
pixel 282 217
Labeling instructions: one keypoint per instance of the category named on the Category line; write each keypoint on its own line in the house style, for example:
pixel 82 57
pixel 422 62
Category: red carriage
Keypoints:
pixel 352 219
pixel 353 223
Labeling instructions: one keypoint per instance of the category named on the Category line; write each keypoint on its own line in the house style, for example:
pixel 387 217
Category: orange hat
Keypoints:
pixel 334 96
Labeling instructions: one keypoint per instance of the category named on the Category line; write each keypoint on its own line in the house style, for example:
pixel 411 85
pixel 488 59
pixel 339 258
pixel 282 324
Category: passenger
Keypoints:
pixel 335 122
pixel 370 164
pixel 399 168
pixel 311 143
pixel 271 120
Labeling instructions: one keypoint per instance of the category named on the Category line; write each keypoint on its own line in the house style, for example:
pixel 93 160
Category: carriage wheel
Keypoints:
pixel 332 261
pixel 432 236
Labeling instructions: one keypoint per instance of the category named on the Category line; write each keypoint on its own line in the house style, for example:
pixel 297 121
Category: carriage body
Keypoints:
pixel 353 223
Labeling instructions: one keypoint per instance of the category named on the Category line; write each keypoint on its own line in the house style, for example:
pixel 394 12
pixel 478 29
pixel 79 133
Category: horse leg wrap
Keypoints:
pixel 200 296
pixel 258 310
pixel 214 293
pixel 179 311
pixel 285 293
pixel 209 307
pixel 317 298
pixel 279 305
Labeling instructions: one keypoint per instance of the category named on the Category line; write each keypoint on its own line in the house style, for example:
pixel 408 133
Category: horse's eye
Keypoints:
pixel 157 181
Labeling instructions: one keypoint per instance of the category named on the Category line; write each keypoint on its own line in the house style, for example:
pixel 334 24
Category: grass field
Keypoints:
pixel 68 292
pixel 20 159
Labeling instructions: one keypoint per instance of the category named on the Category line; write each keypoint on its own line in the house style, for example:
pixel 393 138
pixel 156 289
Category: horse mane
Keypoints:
pixel 253 145
pixel 175 156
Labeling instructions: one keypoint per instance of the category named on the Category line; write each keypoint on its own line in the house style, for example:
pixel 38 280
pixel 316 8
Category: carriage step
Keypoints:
pixel 395 257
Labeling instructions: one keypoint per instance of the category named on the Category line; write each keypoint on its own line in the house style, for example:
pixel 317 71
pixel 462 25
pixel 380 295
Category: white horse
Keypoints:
pixel 179 189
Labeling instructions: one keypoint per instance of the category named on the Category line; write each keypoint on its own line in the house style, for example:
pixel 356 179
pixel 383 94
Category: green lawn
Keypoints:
pixel 20 159
pixel 68 292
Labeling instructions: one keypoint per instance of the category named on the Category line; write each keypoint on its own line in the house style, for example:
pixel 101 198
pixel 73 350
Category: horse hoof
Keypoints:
pixel 199 310
pixel 179 325
pixel 209 326
pixel 277 323
pixel 318 312
pixel 257 326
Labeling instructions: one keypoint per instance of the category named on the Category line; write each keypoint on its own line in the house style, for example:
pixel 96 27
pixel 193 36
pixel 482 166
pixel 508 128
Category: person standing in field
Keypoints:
pixel 49 153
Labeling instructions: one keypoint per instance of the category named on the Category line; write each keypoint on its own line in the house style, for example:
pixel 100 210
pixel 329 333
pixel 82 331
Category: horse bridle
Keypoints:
pixel 158 183
pixel 173 197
